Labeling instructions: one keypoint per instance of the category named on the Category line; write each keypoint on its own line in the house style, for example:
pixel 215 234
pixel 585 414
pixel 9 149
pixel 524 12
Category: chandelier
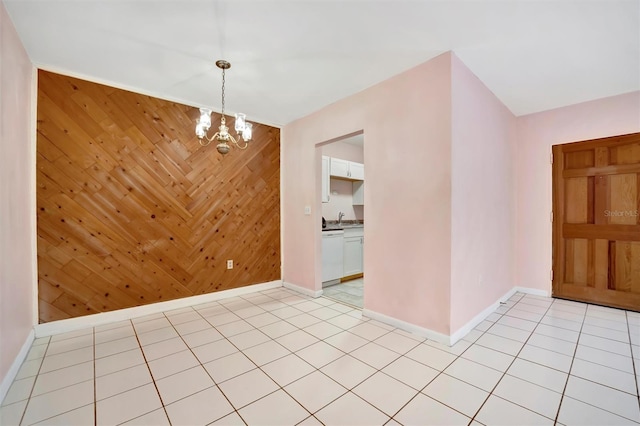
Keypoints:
pixel 222 136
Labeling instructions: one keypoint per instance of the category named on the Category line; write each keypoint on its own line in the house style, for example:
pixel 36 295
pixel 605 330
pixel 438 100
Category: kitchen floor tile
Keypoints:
pixel 396 342
pixel 248 339
pixel 172 364
pixel 121 381
pixel 533 397
pixel 411 372
pixel 608 359
pixel 212 351
pixel 248 387
pixel 488 357
pixel 277 408
pixel 615 401
pixel 607 376
pixel 574 412
pixel 538 374
pixel 608 345
pixel 183 384
pixel 119 361
pixel 526 364
pixel 368 331
pixel 431 357
pixel 58 402
pixel 228 367
pixel 385 393
pixel 200 408
pixel 546 357
pixel 297 340
pixel 350 410
pixel 303 320
pixel 319 354
pixel 448 390
pixel 500 344
pixel 499 412
pixel 287 369
pixel 375 355
pixel 266 352
pixel 315 390
pixel 473 373
pixel 154 418
pixel 348 371
pixel 163 348
pixel 278 329
pixel 423 410
pixel 128 405
pixel 67 359
pixel 80 416
pixel 346 342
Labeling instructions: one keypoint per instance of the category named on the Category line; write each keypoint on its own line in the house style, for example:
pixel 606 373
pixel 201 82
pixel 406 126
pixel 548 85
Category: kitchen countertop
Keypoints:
pixel 331 226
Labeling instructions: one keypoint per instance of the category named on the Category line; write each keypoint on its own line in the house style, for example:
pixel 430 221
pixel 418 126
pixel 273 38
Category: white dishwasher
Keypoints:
pixel 332 255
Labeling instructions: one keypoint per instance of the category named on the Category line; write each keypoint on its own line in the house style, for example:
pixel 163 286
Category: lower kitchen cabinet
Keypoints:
pixel 353 252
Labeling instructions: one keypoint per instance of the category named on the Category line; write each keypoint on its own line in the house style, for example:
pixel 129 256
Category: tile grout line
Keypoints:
pixel 566 383
pixel 26 407
pixel 633 361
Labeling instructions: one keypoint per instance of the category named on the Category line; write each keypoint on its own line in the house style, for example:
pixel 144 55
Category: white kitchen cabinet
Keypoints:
pixel 358 193
pixel 325 179
pixel 332 256
pixel 353 252
pixel 344 169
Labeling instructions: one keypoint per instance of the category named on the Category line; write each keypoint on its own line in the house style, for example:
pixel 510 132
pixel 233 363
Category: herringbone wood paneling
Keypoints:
pixel 132 210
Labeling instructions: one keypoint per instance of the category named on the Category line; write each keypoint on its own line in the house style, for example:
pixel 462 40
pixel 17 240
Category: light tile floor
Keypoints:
pixel 278 358
pixel 349 292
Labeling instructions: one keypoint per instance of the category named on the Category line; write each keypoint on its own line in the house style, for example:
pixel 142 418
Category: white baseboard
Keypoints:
pixel 63 326
pixel 532 291
pixel 465 329
pixel 406 326
pixel 462 331
pixel 302 290
pixel 15 366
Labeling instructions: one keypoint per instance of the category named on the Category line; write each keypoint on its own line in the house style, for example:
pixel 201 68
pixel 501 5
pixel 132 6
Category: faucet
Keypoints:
pixel 340 216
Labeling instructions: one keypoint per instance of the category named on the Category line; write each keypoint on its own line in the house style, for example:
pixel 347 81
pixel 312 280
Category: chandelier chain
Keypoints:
pixel 223 82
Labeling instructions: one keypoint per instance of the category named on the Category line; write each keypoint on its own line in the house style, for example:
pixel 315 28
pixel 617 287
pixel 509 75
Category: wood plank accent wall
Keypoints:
pixel 132 210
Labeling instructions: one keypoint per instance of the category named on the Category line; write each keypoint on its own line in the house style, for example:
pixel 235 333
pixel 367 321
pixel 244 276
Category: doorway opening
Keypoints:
pixel 343 219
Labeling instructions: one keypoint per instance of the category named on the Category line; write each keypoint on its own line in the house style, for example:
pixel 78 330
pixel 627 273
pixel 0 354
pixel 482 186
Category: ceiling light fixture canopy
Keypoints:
pixel 222 136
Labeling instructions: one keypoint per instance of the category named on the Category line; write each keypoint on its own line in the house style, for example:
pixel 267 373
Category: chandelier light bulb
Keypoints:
pixel 240 122
pixel 247 133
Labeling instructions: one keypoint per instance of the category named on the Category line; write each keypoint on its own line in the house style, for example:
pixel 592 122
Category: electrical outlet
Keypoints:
pixel 229 264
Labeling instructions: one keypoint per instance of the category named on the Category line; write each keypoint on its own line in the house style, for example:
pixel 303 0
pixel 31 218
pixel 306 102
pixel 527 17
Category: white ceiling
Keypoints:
pixel 290 58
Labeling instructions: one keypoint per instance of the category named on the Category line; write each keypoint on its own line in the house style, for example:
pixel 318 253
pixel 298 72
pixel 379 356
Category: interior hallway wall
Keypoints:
pixel 407 123
pixel 483 203
pixel 17 196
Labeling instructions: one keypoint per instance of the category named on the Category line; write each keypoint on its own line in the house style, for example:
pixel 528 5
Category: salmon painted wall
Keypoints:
pixel 17 195
pixel 407 126
pixel 536 133
pixel 483 203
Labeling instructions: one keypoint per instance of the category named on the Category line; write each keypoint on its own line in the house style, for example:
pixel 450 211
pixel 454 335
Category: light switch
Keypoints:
pixel 307 210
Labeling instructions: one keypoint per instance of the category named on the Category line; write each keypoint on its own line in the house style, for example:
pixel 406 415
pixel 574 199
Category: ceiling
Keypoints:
pixel 291 58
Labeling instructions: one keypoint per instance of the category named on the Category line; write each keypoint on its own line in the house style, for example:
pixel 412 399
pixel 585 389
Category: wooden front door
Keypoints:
pixel 596 228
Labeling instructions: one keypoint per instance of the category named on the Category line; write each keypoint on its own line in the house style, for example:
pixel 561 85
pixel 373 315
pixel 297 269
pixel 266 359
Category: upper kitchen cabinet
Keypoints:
pixel 344 169
pixel 325 179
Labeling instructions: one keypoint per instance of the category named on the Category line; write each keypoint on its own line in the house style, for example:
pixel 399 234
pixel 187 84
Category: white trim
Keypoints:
pixel 533 291
pixel 33 199
pixel 63 326
pixel 462 331
pixel 411 328
pixel 15 366
pixel 302 290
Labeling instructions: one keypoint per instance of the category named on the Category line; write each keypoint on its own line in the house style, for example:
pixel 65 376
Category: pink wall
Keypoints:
pixel 536 134
pixel 346 151
pixel 16 195
pixel 407 123
pixel 482 200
